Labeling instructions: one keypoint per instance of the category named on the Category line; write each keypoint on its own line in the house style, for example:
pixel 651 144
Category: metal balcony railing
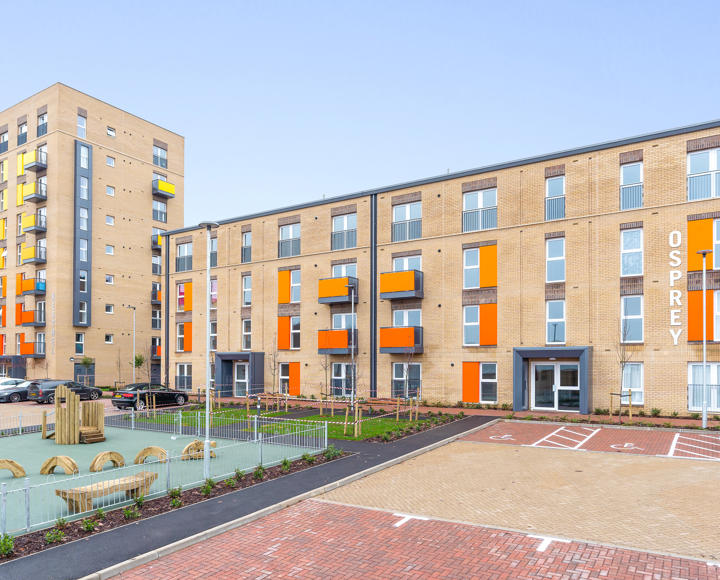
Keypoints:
pixel 700 186
pixel 288 248
pixel 159 215
pixel 479 219
pixel 631 196
pixel 407 230
pixel 695 397
pixel 183 382
pixel 183 263
pixel 343 240
pixel 406 389
pixel 554 208
pixel 157 269
pixel 156 323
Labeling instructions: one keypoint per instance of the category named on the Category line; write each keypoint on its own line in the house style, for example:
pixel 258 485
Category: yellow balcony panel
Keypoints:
pixel 34 255
pixel 398 285
pixel 163 188
pixel 35 160
pixel 34 223
pixel 35 191
pixel 336 291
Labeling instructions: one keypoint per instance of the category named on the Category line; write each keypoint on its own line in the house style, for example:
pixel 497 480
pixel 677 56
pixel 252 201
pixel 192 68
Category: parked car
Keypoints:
pixel 43 391
pixel 136 395
pixel 12 392
pixel 7 381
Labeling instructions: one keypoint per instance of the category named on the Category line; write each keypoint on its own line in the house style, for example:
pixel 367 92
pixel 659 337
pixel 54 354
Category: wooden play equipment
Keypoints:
pixel 80 499
pixel 68 419
pixel 196 450
pixel 103 457
pixel 13 466
pixel 67 463
pixel 152 451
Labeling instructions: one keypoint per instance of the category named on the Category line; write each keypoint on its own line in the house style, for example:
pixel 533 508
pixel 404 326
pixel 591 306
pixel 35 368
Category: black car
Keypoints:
pixel 14 390
pixel 43 391
pixel 139 395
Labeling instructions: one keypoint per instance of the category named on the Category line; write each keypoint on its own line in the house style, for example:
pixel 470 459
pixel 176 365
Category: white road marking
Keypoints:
pixel 585 437
pixel 546 541
pixel 628 446
pixel 681 444
pixel 506 437
pixel 671 453
pixel 405 519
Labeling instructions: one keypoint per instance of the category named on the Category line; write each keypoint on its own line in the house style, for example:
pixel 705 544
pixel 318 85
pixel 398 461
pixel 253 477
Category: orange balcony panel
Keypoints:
pixel 336 341
pixel 28 284
pixel 28 316
pixel 336 291
pixel 397 285
pixel 401 340
pixel 27 348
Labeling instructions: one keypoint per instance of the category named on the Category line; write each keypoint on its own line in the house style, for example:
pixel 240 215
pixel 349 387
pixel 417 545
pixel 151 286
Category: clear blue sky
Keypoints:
pixel 284 102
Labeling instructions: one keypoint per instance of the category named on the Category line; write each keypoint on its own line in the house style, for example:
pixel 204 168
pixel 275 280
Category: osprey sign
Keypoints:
pixel 675 260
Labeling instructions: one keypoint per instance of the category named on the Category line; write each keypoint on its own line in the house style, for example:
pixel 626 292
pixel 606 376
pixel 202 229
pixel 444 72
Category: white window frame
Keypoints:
pixel 345 270
pixel 548 259
pixel 110 279
pixel 494 381
pixel 110 190
pixel 405 370
pixel 82 312
pixel 82 280
pixel 284 377
pixel 549 321
pixel 716 315
pixel 80 340
pixel 295 285
pixel 637 397
pixel 623 317
pixel 213 335
pixel 466 310
pixel 109 161
pixel 628 165
pixel 295 333
pixel 213 294
pixel 84 157
pixel 109 250
pixel 624 251
pixel 110 131
pixel 111 339
pixel 246 325
pixel 467 270
pixel 343 222
pixel 81 127
pixel 549 180
pixel 84 218
pixel 84 187
pixel 184 370
pixel 405 315
pixel 405 263
pixel 713 168
pixel 406 209
pixel 180 293
pixel 289 232
pixel 180 337
pixel 109 220
pixel 247 290
pixel 344 321
pixel 716 245
pixel 109 309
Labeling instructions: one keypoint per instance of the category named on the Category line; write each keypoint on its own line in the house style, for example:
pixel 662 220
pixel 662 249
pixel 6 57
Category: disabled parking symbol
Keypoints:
pixel 626 447
pixel 506 437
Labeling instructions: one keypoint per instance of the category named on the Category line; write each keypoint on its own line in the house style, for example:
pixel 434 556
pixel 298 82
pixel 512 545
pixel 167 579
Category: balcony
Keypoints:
pixel 401 340
pixel 288 248
pixel 182 264
pixel 34 223
pixel 342 341
pixel 33 317
pixel 631 197
pixel 336 291
pixel 32 349
pixel 554 208
pixel 36 160
pixel 156 242
pixel 33 286
pixel 156 297
pixel 34 255
pixel 35 191
pixel 183 382
pixel 475 220
pixel 407 230
pixel 398 285
pixel 155 352
pixel 163 188
pixel 343 240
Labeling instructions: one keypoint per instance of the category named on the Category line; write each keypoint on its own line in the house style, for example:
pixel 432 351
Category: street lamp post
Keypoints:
pixel 206 451
pixel 133 358
pixel 352 343
pixel 704 254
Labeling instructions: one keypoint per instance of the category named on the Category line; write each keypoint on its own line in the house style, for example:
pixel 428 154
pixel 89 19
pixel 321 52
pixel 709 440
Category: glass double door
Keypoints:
pixel 555 386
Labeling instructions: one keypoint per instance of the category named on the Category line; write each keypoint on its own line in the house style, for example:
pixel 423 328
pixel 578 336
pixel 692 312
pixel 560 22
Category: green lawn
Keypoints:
pixel 370 427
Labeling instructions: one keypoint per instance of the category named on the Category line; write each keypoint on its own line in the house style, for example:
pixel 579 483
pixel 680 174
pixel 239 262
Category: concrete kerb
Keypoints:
pixel 147 557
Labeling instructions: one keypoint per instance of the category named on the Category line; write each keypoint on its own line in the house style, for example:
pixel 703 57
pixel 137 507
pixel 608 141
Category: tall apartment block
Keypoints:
pixel 546 283
pixel 86 189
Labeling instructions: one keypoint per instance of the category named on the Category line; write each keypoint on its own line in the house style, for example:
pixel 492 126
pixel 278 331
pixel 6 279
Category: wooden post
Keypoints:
pixel 286 404
pixel 247 405
pixel 630 404
pixel 359 422
pixel 397 411
pixel 355 423
pixel 321 404
pixel 44 425
pixel 332 405
pixel 347 412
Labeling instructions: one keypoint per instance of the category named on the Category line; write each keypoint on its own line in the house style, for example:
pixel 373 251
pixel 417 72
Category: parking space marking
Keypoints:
pixel 697 445
pixel 578 439
pixel 405 519
pixel 546 541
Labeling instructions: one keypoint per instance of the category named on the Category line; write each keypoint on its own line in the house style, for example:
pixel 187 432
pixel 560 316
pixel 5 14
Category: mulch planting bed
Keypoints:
pixel 433 420
pixel 36 541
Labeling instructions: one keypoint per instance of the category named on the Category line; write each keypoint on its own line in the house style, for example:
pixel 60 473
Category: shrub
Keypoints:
pixel 285 466
pixel 60 523
pixel 307 458
pixel 332 452
pixel 386 436
pixel 505 406
pixel 7 545
pixel 131 513
pixel 206 490
pixel 139 501
pixel 601 411
pixel 54 536
pixel 100 514
pixel 211 482
pixel 667 424
pixel 460 415
pixel 674 413
pixel 89 525
pixel 694 415
pixel 259 473
pixel 239 474
pixel 175 492
pixel 641 413
pixel 175 502
pixel 230 482
pixel 510 416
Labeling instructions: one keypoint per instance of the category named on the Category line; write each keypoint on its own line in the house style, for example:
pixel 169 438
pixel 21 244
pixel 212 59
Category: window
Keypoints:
pixel 3 142
pixel 83 246
pixel 716 245
pixel 180 338
pixel 246 334
pixel 342 379
pixel 180 297
pixel 703 170
pixel 109 309
pixel 159 213
pixel 716 315
pixel 81 126
pixel 109 279
pixel 488 383
pixel 108 339
pixel 289 242
pixel 18 343
pixel 18 222
pixel 404 318
pixel 555 322
pixel 110 132
pixel 344 270
pixel 631 185
pixel 213 294
pixel 84 157
pixel 344 321
pixel 632 383
pixel 84 219
pixel 110 190
pixel 631 329
pixel 39 343
pixel 82 312
pixel 471 326
pixel 40 311
pixel 695 386
pixel 471 268
pixel 407 222
pixel 156 265
pixel 479 210
pixel 109 161
pixel 247 290
pixel 183 379
pixel 555 198
pixel 284 377
pixel 555 260
pixel 183 259
pixel 18 257
pixel 22 134
pixel 160 157
pixel 344 231
pixel 109 250
pixel 109 220
pixel 246 250
pixel 156 319
pixel 631 252
pixel 407 263
pixel 406 380
pixel 294 285
pixel 213 252
pixel 213 336
pixel 79 343
pixel 294 332
pixel 82 281
pixel 42 125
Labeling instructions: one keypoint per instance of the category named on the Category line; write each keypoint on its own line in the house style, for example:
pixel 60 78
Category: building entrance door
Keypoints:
pixel 241 379
pixel 555 386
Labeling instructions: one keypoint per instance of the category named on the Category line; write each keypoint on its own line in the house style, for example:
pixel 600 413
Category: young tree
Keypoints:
pixel 273 359
pixel 624 356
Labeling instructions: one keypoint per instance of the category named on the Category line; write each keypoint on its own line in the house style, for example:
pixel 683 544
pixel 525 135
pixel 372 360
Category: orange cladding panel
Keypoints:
pixel 188 337
pixel 700 237
pixel 330 287
pixel 397 281
pixel 284 287
pixel 18 284
pixel 188 296
pixel 488 324
pixel 18 313
pixel 28 284
pixel 488 266
pixel 28 316
pixel 471 382
pixel 283 333
pixel 4 318
pixel 332 339
pixel 695 307
pixel 4 286
pixel 294 382
pixel 27 347
pixel 159 294
pixel 397 337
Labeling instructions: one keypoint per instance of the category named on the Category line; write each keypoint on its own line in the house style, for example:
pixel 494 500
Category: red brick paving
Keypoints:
pixel 512 433
pixel 316 539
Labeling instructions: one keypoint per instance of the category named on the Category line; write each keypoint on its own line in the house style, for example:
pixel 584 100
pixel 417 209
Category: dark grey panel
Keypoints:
pixel 77 264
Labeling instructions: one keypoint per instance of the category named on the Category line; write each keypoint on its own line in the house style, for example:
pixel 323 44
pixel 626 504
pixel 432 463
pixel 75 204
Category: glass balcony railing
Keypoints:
pixel 407 230
pixel 34 223
pixel 183 263
pixel 288 248
pixel 631 196
pixel 554 208
pixel 695 397
pixel 35 191
pixel 34 255
pixel 343 240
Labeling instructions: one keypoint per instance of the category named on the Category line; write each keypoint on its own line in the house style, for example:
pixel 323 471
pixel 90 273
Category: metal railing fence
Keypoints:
pixel 695 397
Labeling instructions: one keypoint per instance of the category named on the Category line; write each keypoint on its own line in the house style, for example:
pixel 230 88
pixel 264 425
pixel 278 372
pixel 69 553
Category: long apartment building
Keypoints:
pixel 547 283
pixel 86 190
